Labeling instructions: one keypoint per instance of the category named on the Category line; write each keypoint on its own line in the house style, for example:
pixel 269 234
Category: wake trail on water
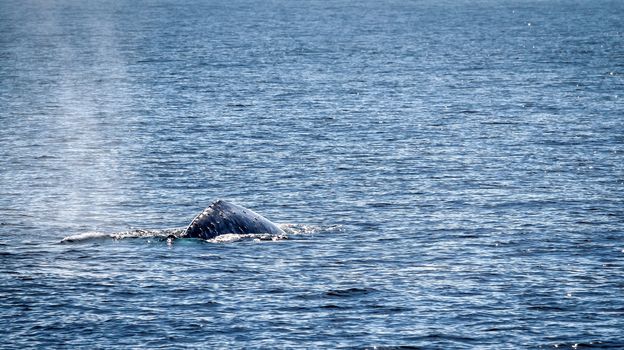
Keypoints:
pixel 289 229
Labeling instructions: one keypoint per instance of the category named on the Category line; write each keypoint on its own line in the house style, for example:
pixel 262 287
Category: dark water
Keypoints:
pixel 451 174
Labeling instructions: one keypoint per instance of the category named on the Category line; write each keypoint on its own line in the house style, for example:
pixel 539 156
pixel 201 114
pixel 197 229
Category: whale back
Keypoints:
pixel 223 217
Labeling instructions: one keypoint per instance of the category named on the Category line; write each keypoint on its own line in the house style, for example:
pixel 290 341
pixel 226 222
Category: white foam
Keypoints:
pixel 233 237
pixel 92 235
pixel 302 229
pixel 227 238
pixel 289 229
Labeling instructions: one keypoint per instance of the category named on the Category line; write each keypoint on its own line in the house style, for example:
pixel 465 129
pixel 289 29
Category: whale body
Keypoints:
pixel 223 217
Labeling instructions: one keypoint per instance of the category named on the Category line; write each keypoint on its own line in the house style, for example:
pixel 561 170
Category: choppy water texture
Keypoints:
pixel 452 173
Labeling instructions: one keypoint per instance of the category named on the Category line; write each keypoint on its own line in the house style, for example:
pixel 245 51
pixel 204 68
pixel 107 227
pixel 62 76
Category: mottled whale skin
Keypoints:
pixel 223 217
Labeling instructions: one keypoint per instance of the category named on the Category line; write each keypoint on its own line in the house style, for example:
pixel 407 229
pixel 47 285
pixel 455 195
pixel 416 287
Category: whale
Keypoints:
pixel 223 217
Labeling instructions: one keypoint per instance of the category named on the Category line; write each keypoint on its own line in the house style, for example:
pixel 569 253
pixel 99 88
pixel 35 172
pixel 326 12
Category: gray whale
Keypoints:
pixel 223 217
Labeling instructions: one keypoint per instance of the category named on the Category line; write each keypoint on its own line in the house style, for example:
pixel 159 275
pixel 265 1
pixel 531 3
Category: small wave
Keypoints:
pixel 349 292
pixel 598 344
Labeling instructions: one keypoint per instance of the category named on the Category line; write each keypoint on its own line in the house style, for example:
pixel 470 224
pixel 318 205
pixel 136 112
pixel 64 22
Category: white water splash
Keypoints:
pixel 94 235
pixel 233 237
pixel 289 229
pixel 302 229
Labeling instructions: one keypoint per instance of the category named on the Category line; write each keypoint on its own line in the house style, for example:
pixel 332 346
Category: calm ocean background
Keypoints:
pixel 450 173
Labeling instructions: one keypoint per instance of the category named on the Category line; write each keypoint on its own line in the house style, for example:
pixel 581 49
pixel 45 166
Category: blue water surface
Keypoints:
pixel 450 173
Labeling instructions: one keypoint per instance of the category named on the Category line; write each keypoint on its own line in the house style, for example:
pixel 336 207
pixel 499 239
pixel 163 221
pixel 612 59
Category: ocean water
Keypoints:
pixel 450 174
